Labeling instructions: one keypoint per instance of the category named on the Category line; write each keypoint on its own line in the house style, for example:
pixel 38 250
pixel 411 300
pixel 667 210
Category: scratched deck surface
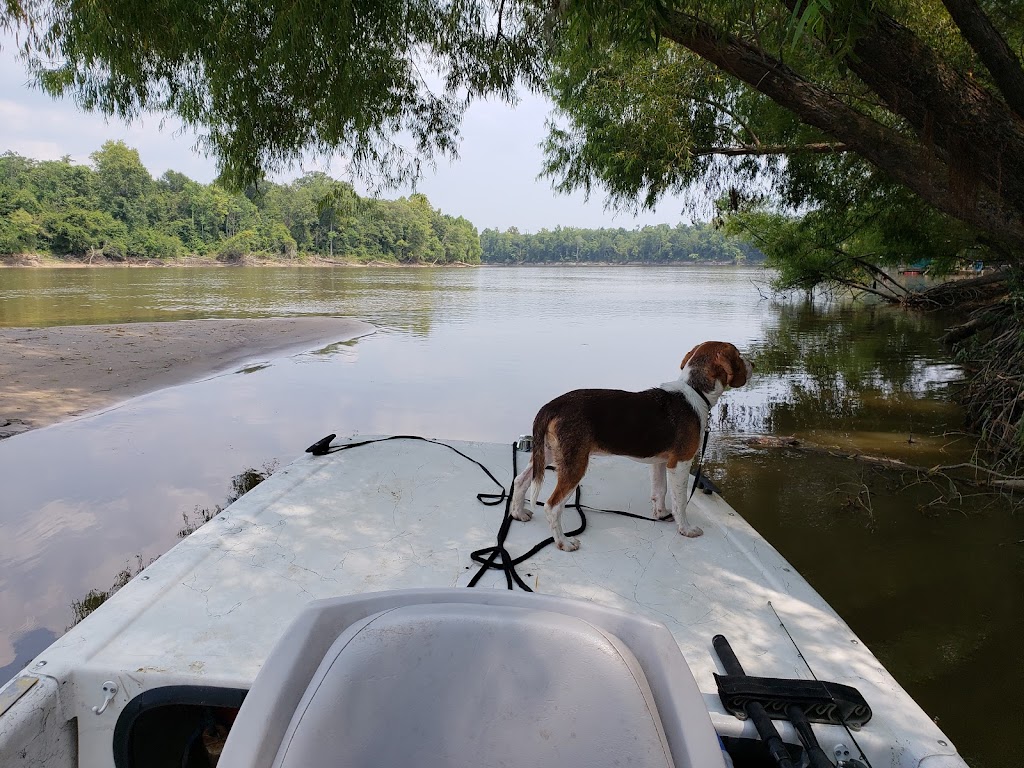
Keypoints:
pixel 404 514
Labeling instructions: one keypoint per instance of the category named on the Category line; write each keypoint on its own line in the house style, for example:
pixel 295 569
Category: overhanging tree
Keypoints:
pixel 870 114
pixel 928 92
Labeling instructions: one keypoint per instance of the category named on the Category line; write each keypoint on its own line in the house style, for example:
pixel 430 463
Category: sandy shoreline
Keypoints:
pixel 51 374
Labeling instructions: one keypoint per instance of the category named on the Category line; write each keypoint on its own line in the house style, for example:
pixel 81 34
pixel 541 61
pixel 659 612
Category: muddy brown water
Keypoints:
pixel 933 587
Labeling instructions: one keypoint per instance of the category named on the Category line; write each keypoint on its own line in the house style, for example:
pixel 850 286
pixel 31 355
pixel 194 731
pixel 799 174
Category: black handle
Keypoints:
pixel 755 711
pixel 815 753
pixel 725 653
pixel 321 446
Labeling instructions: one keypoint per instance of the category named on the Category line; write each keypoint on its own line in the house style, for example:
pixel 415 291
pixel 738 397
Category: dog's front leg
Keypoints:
pixel 659 486
pixel 679 476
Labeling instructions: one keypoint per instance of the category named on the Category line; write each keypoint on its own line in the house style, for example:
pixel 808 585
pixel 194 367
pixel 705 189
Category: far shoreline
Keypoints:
pixel 38 261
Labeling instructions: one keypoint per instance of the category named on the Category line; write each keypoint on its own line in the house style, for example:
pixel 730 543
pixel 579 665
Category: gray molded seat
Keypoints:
pixel 430 678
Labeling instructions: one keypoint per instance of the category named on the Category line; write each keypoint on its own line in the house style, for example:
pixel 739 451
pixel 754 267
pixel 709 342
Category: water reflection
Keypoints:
pixel 405 299
pixel 471 354
pixel 844 351
pixel 868 379
pixel 241 484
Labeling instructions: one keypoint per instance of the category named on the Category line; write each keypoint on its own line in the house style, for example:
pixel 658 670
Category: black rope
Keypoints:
pixel 323 447
pixel 497 557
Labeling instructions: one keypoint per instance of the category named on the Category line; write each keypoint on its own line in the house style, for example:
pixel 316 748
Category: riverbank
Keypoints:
pixel 51 374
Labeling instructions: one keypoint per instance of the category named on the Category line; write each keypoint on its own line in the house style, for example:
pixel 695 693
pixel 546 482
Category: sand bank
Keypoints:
pixel 51 374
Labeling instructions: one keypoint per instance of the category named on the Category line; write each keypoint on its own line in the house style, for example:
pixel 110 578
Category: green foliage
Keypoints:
pixel 641 123
pixel 77 232
pixel 153 244
pixel 266 82
pixel 660 244
pixel 122 185
pixel 280 241
pixel 118 210
pixel 244 243
pixel 851 228
pixel 19 232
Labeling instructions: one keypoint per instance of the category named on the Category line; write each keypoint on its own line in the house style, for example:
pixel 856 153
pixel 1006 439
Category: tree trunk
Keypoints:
pixel 921 166
pixel 974 132
pixel 992 49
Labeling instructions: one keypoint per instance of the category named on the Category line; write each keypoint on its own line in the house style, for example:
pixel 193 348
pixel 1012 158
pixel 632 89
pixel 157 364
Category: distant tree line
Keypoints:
pixel 659 244
pixel 116 209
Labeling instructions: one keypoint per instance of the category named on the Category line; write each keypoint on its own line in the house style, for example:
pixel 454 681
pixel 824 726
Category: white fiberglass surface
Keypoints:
pixel 404 514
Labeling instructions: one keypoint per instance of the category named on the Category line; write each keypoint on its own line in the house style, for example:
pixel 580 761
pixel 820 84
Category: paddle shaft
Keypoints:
pixel 755 711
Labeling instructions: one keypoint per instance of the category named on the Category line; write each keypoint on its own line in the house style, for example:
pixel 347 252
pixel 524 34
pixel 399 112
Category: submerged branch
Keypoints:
pixel 991 479
pixel 975 325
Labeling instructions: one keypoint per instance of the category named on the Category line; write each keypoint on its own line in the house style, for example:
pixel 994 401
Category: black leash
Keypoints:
pixel 704 446
pixel 497 557
pixel 323 446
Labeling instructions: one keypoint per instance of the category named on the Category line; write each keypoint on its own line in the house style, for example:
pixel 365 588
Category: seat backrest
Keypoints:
pixel 466 677
pixel 439 686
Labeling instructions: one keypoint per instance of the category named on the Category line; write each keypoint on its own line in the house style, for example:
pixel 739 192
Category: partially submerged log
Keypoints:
pixel 976 324
pixel 990 478
pixel 967 291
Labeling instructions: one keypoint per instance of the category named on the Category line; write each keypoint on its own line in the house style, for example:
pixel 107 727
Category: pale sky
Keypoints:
pixel 493 182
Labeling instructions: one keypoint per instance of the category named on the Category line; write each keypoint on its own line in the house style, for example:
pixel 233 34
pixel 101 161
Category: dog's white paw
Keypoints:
pixel 692 533
pixel 658 511
pixel 523 515
pixel 568 545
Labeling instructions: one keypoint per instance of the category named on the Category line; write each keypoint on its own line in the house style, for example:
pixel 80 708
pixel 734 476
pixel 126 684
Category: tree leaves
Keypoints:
pixel 118 210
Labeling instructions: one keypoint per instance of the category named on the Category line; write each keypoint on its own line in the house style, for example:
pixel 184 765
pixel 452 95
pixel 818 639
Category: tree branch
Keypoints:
pixel 773 149
pixel 912 163
pixel 742 123
pixel 992 49
pixel 880 273
pixel 971 130
pixel 891 296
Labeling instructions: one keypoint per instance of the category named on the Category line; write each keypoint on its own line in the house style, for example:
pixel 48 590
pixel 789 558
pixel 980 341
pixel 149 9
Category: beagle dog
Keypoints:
pixel 661 427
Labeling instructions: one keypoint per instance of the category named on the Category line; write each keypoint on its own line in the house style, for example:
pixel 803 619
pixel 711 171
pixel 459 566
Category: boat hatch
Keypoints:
pixel 175 726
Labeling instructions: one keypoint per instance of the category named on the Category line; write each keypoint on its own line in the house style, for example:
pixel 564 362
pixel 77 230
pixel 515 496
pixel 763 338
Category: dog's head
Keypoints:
pixel 716 361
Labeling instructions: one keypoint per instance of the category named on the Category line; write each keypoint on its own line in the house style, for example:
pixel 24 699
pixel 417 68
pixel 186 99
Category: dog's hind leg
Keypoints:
pixel 518 508
pixel 570 472
pixel 534 493
pixel 535 486
pixel 679 476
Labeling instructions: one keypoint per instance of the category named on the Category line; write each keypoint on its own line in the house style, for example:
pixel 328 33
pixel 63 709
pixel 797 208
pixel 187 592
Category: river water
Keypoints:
pixel 932 585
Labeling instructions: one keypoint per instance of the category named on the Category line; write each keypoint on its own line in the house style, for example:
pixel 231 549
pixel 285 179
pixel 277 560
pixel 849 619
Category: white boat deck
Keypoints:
pixel 404 514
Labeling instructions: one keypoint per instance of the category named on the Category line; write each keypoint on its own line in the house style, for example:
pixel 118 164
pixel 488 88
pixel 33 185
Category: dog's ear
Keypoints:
pixel 686 359
pixel 736 371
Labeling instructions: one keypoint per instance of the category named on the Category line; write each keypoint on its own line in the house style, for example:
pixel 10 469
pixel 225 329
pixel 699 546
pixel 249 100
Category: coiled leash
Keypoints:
pixel 497 557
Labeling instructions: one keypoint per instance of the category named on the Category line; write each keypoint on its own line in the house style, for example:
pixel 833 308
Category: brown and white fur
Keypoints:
pixel 661 427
